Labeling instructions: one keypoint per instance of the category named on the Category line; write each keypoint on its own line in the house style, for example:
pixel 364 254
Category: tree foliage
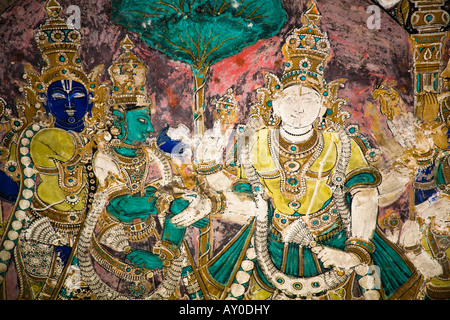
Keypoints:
pixel 200 32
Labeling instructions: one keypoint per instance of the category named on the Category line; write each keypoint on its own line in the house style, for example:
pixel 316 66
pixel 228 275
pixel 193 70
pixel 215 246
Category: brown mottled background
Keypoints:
pixel 360 55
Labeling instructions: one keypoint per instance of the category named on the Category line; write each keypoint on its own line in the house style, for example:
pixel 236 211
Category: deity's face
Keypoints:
pixel 138 125
pixel 298 106
pixel 68 101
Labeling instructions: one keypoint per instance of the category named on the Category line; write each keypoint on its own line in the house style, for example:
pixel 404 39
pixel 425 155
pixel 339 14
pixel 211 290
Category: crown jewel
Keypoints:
pixel 306 52
pixel 128 74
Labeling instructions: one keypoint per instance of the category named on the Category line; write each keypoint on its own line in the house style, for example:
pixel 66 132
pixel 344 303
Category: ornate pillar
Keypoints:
pixel 429 21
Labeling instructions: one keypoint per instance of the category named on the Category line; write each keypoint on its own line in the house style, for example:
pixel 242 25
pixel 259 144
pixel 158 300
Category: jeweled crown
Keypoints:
pixel 128 75
pixel 226 108
pixel 306 52
pixel 59 45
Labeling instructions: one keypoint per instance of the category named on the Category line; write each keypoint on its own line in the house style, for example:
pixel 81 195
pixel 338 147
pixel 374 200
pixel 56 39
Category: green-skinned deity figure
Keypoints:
pixel 130 249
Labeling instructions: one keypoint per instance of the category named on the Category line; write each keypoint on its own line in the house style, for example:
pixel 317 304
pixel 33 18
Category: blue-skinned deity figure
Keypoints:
pixel 68 101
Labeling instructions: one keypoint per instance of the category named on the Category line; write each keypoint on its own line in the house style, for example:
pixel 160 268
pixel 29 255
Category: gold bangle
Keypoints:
pixel 365 244
pixel 167 251
pixel 361 253
pixel 217 198
pixel 203 169
pixel 163 203
pixel 416 249
pixel 219 203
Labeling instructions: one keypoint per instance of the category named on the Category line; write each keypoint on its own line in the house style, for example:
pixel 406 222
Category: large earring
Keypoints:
pixel 320 123
pixel 274 120
pixel 115 131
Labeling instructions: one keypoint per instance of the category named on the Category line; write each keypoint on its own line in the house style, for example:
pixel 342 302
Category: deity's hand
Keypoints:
pixel 208 148
pixel 335 257
pixel 425 263
pixel 199 207
pixel 145 259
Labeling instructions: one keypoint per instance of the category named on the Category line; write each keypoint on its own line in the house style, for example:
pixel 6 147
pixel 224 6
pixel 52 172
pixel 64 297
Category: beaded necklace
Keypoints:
pixel 135 168
pixel 292 173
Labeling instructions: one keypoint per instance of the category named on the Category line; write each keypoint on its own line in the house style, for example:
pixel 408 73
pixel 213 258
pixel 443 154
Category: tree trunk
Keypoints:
pixel 200 77
pixel 199 99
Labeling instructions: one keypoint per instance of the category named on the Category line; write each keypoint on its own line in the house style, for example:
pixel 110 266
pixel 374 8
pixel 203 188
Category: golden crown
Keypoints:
pixel 226 108
pixel 306 52
pixel 128 74
pixel 59 45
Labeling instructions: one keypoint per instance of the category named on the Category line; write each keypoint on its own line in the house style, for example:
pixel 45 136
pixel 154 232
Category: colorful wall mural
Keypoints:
pixel 224 150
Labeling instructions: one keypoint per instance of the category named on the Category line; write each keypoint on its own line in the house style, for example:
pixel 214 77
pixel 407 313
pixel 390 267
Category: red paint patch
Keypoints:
pixel 172 98
pixel 240 61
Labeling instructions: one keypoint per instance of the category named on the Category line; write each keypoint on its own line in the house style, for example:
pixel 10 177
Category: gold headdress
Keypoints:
pixel 59 45
pixel 128 75
pixel 226 108
pixel 306 52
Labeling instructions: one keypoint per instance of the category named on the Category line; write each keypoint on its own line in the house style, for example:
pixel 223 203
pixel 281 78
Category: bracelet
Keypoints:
pixel 163 203
pixel 217 198
pixel 204 169
pixel 362 254
pixel 362 248
pixel 219 203
pixel 416 249
pixel 365 244
pixel 425 185
pixel 167 251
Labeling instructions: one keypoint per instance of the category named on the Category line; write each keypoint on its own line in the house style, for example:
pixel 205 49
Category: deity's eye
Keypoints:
pixel 79 95
pixel 58 96
pixel 143 121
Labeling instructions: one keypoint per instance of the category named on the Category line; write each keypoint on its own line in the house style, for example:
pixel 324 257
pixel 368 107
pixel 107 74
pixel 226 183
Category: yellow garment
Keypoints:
pixel 49 145
pixel 317 178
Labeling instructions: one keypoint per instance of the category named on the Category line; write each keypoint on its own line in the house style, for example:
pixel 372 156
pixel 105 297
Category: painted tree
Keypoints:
pixel 200 32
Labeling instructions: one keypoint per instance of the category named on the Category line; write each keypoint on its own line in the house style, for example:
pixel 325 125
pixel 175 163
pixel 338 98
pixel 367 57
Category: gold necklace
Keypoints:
pixel 297 150
pixel 135 169
pixel 292 173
